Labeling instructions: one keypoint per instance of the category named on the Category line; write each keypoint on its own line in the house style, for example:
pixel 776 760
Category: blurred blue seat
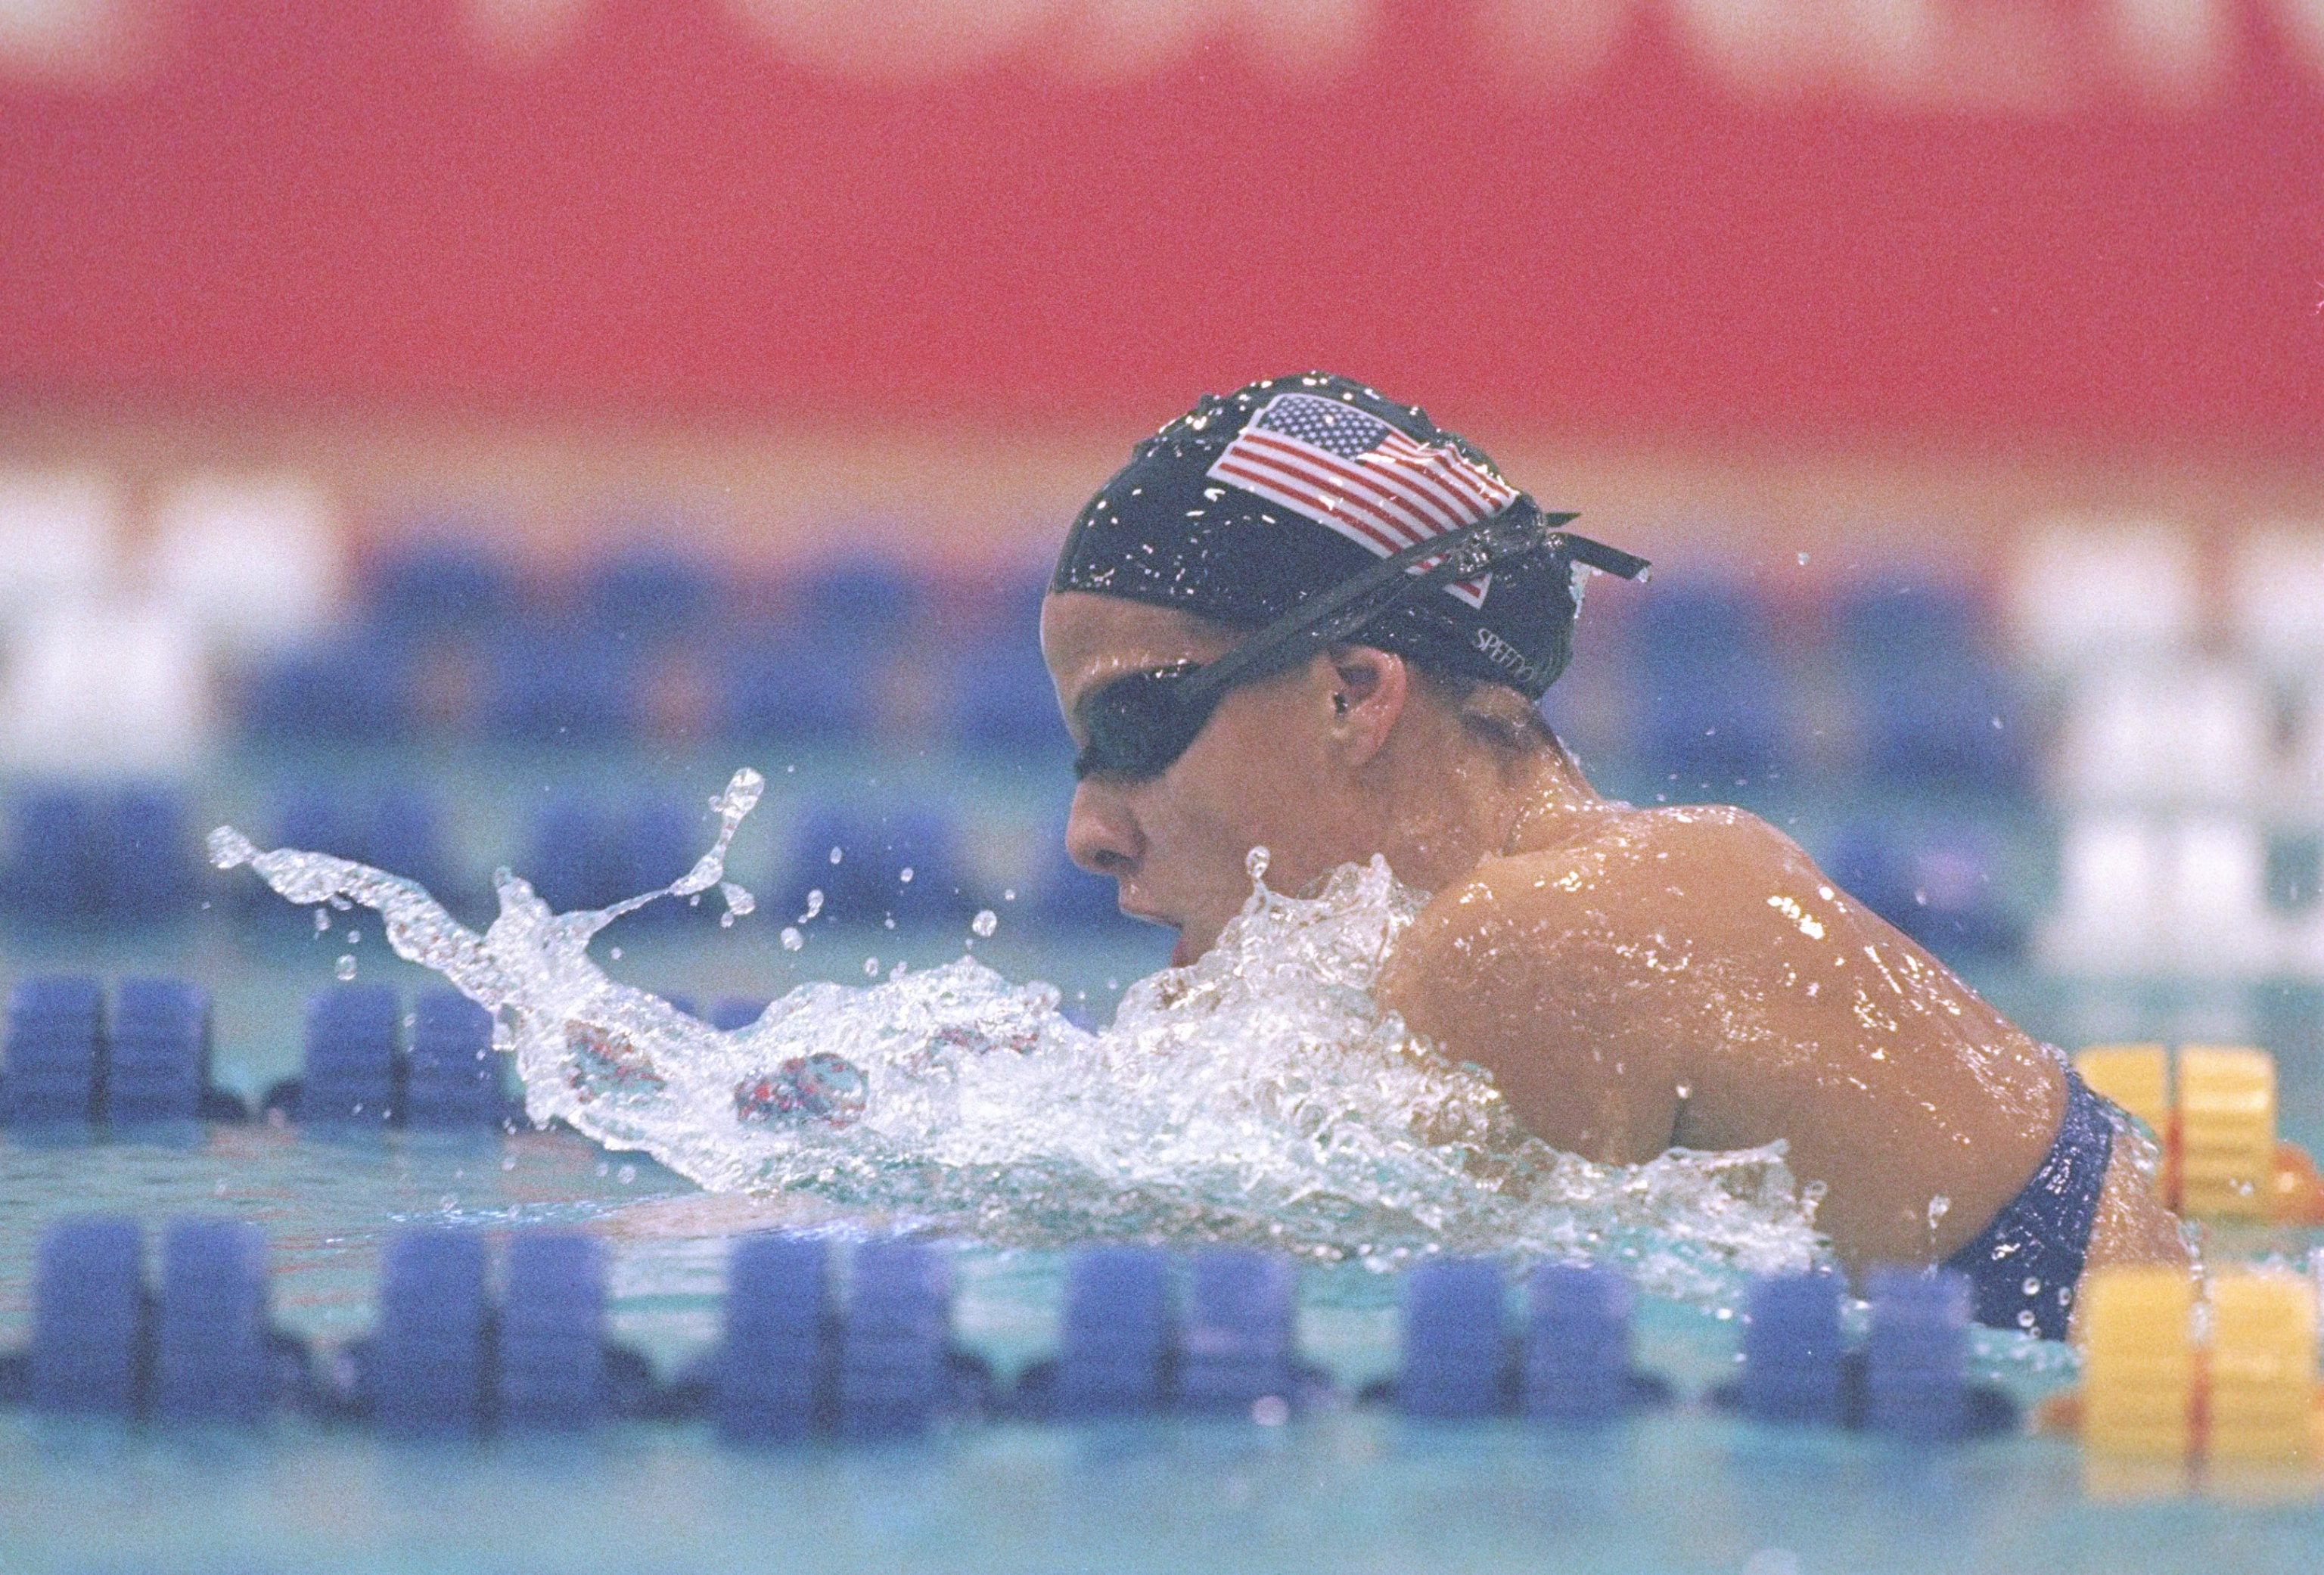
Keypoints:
pixel 1004 707
pixel 451 1074
pixel 1711 703
pixel 1934 707
pixel 146 872
pixel 55 1047
pixel 342 691
pixel 350 1068
pixel 439 587
pixel 158 1055
pixel 788 691
pixel 860 602
pixel 902 863
pixel 570 859
pixel 1946 888
pixel 79 854
pixel 1902 625
pixel 555 689
pixel 55 858
pixel 646 595
pixel 405 837
pixel 652 843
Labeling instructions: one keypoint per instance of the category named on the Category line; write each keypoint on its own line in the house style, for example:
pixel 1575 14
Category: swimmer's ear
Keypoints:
pixel 1370 687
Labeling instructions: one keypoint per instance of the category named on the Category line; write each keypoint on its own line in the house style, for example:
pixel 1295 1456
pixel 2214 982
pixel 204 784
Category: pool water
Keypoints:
pixel 1352 1488
pixel 1345 1488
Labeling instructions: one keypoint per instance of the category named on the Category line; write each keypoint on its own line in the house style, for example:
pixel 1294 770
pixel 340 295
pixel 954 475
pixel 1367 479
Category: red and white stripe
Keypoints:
pixel 1397 494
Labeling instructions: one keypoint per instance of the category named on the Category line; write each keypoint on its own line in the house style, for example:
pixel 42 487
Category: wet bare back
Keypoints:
pixel 1639 978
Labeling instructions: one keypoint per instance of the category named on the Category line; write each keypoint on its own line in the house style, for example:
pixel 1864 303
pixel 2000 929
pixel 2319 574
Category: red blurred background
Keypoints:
pixel 1004 237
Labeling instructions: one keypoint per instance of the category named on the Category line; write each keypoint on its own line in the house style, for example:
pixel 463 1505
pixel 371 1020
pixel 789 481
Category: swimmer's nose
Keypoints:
pixel 1100 834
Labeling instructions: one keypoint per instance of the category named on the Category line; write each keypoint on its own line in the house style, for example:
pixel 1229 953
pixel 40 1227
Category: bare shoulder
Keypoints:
pixel 1654 867
pixel 1562 968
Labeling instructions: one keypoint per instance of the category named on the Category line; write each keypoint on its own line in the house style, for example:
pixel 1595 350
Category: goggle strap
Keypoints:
pixel 1356 601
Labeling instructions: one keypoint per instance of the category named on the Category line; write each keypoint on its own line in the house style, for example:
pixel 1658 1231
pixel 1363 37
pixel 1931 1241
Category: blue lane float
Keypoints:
pixel 1576 1369
pixel 1791 1348
pixel 425 1370
pixel 552 1350
pixel 64 1065
pixel 1456 1341
pixel 769 1380
pixel 88 1318
pixel 210 1347
pixel 893 1339
pixel 1118 1350
pixel 796 1361
pixel 1236 1350
pixel 1916 1356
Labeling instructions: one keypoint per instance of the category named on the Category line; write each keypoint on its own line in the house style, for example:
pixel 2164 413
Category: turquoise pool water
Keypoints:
pixel 1354 1489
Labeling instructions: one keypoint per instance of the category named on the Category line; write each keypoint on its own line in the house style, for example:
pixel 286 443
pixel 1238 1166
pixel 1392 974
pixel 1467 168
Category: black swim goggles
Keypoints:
pixel 1140 723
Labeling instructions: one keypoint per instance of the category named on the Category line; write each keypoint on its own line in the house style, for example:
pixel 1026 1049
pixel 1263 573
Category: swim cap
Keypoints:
pixel 1252 502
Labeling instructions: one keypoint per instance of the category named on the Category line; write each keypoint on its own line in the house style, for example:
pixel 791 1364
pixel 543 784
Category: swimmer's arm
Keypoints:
pixel 1502 972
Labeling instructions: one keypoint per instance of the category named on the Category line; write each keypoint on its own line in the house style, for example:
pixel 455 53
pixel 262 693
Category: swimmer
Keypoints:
pixel 1303 618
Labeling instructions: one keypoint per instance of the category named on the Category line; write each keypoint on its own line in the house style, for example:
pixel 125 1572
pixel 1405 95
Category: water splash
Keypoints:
pixel 1258 1095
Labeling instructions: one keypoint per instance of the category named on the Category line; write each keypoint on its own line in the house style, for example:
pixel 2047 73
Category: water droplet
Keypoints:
pixel 615 953
pixel 1685 1091
pixel 1804 561
pixel 792 939
pixel 2032 1285
pixel 903 876
pixel 626 1175
pixel 2025 1319
pixel 813 905
pixel 228 848
pixel 835 855
pixel 344 968
pixel 1939 1207
pixel 739 900
pixel 355 937
pixel 985 922
pixel 871 967
pixel 1254 864
pixel 1009 894
pixel 727 919
pixel 508 1161
pixel 448 1202
pixel 322 921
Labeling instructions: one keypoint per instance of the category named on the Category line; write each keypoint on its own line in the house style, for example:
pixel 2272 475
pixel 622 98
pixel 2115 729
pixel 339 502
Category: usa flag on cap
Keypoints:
pixel 1348 470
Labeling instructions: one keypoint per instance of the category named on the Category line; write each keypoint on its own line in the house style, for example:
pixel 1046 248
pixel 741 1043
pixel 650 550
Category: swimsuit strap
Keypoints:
pixel 2023 1266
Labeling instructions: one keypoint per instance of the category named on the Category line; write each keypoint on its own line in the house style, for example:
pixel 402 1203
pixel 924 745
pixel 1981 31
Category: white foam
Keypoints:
pixel 1260 1095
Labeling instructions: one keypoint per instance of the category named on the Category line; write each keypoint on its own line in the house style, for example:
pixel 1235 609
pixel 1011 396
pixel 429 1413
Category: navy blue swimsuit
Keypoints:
pixel 2023 1267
